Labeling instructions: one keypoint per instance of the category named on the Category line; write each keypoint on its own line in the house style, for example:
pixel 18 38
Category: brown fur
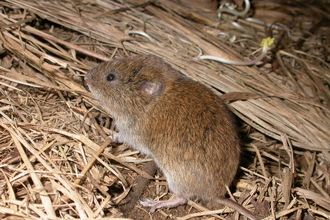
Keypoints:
pixel 180 123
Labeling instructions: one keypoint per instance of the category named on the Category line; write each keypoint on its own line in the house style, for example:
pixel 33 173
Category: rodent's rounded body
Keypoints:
pixel 192 138
pixel 180 123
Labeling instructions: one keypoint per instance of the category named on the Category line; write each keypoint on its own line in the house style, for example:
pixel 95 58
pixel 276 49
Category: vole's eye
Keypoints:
pixel 111 77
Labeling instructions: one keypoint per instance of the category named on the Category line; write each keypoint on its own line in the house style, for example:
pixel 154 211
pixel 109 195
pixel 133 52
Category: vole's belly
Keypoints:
pixel 134 141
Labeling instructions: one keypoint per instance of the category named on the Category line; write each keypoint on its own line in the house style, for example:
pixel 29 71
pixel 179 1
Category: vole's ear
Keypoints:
pixel 152 88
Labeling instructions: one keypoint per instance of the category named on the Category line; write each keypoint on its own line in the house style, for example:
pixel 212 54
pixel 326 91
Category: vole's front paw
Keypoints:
pixel 115 138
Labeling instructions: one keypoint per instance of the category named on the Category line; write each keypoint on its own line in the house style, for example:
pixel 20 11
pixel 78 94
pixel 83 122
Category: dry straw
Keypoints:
pixel 50 157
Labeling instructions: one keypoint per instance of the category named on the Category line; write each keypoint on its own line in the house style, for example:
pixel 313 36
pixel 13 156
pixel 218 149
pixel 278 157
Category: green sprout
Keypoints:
pixel 265 43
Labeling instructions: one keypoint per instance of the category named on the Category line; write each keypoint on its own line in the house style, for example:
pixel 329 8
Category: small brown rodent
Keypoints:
pixel 180 123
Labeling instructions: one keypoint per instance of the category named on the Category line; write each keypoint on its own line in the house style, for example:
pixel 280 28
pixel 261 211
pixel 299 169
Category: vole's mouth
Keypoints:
pixel 87 78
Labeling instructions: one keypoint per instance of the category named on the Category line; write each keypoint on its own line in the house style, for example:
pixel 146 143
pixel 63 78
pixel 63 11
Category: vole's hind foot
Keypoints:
pixel 163 204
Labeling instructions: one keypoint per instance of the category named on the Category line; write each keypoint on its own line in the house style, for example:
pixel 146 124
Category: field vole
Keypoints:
pixel 180 123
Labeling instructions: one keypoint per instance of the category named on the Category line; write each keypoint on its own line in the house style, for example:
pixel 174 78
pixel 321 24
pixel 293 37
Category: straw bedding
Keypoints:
pixel 56 160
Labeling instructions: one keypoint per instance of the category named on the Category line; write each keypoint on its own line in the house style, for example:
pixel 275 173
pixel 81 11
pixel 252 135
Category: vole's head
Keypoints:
pixel 129 85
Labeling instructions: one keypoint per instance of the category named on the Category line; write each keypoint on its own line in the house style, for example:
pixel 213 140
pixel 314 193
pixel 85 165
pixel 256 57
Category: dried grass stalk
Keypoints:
pixel 51 44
